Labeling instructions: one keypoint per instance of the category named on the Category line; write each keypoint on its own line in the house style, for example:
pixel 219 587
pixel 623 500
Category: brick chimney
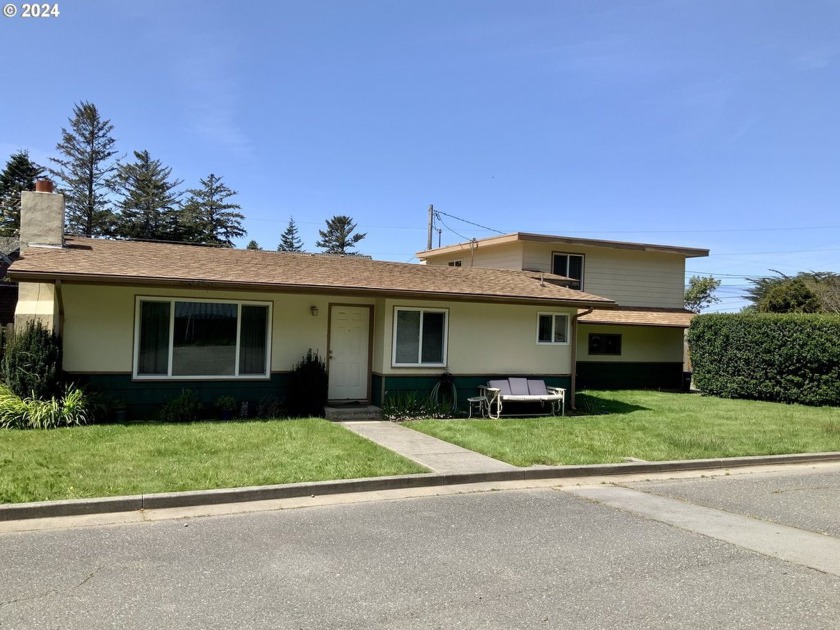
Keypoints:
pixel 41 217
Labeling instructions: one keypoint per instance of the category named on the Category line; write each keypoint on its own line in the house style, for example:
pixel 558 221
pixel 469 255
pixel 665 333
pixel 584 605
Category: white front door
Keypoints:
pixel 348 352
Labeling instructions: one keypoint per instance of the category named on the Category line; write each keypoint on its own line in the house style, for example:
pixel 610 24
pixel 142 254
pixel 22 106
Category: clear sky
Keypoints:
pixel 704 123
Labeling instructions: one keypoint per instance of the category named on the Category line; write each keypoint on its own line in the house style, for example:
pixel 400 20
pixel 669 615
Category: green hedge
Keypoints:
pixel 782 358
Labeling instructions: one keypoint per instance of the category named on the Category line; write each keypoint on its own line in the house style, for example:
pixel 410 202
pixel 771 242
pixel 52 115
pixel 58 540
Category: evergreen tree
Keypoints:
pixel 149 206
pixel 208 217
pixel 19 175
pixel 289 240
pixel 83 170
pixel 338 238
pixel 253 245
pixel 700 293
pixel 806 292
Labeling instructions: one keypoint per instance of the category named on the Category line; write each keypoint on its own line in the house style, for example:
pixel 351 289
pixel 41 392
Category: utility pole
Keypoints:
pixel 431 226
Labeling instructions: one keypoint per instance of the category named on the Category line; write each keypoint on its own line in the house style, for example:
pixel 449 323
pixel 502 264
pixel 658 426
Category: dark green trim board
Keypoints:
pixel 144 398
pixel 467 385
pixel 620 375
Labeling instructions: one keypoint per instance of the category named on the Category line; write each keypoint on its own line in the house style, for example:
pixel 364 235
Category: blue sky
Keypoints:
pixel 705 123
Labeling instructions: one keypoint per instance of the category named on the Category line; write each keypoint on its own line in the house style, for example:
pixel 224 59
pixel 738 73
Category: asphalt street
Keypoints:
pixel 655 554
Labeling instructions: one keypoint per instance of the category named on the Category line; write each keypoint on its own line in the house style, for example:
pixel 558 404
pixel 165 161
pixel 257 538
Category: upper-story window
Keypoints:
pixel 571 266
pixel 454 263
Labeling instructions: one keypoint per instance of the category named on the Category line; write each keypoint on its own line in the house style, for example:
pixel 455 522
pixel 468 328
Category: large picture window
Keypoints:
pixel 419 337
pixel 552 328
pixel 571 266
pixel 201 339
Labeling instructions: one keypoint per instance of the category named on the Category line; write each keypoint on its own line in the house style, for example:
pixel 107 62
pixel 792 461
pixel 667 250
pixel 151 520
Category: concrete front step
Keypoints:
pixel 352 412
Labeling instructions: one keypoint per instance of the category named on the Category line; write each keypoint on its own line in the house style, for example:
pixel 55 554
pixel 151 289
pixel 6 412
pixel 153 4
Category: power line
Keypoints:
pixel 478 225
pixel 443 223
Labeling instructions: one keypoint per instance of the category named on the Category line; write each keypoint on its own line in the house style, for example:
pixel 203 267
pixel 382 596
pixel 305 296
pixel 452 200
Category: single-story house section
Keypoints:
pixel 143 321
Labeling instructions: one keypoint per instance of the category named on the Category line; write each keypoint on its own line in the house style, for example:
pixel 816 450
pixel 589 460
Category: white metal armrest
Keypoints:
pixel 493 396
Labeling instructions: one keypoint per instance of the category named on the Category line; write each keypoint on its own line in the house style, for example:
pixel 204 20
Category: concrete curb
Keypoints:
pixel 49 509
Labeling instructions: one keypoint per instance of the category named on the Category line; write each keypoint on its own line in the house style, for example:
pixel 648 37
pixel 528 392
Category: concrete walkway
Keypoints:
pixel 435 454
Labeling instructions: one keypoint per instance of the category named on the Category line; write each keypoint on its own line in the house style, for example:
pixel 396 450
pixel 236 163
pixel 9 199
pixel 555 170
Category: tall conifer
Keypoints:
pixel 83 170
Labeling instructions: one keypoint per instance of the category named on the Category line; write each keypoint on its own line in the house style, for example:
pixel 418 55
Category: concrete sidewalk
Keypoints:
pixel 434 454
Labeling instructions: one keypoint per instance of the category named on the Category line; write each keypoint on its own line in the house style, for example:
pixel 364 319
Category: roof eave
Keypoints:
pixel 493 241
pixel 103 279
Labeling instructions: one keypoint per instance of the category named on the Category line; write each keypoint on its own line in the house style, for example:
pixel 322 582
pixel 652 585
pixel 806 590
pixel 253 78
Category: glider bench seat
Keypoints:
pixel 521 390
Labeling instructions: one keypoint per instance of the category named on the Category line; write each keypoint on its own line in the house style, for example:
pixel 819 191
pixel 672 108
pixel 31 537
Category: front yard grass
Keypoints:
pixel 653 426
pixel 108 460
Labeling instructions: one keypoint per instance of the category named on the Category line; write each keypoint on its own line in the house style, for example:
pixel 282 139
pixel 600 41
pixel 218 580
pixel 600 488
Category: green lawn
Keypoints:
pixel 109 460
pixel 653 426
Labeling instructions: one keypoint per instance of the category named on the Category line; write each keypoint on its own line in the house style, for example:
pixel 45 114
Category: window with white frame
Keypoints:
pixel 420 337
pixel 177 338
pixel 552 328
pixel 455 263
pixel 571 266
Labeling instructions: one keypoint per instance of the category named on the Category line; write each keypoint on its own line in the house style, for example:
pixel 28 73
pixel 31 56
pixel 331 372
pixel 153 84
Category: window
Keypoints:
pixel 571 266
pixel 419 337
pixel 454 263
pixel 552 328
pixel 209 339
pixel 604 344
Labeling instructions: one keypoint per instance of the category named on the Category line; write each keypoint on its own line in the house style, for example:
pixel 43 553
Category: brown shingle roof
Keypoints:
pixel 688 252
pixel 127 262
pixel 639 316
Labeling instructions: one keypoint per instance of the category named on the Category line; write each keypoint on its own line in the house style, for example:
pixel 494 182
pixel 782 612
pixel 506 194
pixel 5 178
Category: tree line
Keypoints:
pixel 109 196
pixel 806 292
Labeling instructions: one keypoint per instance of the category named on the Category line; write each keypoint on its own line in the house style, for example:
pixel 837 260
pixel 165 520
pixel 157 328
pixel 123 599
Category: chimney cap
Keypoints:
pixel 43 185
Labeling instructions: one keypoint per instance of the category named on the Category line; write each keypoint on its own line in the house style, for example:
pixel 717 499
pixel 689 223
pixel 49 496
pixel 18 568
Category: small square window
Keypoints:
pixel 552 328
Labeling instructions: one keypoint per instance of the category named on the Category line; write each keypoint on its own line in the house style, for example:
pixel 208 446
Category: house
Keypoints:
pixel 9 250
pixel 639 344
pixel 143 321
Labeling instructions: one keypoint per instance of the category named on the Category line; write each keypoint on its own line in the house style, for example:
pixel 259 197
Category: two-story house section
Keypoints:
pixel 639 344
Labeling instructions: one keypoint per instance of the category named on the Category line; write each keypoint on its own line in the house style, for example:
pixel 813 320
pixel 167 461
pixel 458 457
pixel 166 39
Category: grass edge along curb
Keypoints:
pixel 80 507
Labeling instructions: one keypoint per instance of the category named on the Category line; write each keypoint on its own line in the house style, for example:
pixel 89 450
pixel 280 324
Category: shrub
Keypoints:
pixel 307 392
pixel 32 363
pixel 782 358
pixel 410 405
pixel 183 408
pixel 70 409
pixel 268 407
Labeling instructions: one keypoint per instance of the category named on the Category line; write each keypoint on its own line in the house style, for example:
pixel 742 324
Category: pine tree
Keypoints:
pixel 253 245
pixel 19 175
pixel 338 238
pixel 289 240
pixel 208 217
pixel 149 207
pixel 84 168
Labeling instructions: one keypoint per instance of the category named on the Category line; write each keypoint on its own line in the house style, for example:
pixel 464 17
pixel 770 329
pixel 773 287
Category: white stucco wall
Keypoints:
pixel 37 300
pixel 643 344
pixel 482 338
pixel 99 324
pixel 485 338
